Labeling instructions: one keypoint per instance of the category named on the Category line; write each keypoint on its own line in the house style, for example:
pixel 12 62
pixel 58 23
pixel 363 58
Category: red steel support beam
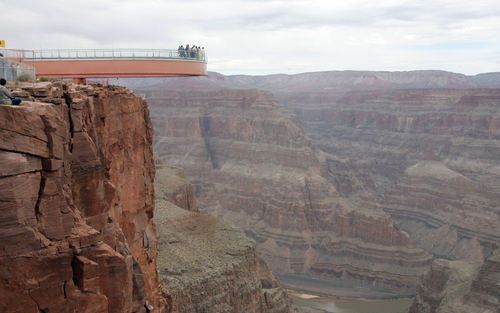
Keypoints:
pixel 87 68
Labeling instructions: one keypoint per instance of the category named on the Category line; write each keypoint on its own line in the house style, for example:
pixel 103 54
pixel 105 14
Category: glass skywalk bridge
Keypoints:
pixel 110 63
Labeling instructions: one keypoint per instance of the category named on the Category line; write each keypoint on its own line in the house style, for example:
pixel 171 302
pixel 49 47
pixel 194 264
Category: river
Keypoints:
pixel 334 305
pixel 314 295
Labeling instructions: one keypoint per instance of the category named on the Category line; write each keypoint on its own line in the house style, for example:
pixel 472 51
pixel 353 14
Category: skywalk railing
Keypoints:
pixel 108 54
pixel 15 71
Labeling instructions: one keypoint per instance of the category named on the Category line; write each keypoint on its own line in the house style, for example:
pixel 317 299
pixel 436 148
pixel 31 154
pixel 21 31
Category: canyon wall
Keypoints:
pixel 295 86
pixel 429 157
pixel 76 183
pixel 205 264
pixel 421 145
pixel 251 164
pixel 460 287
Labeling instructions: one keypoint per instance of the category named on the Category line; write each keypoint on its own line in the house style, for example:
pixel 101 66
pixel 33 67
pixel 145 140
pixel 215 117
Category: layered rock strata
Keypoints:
pixel 422 145
pixel 206 265
pixel 460 287
pixel 252 164
pixel 446 212
pixel 77 199
pixel 374 126
pixel 429 156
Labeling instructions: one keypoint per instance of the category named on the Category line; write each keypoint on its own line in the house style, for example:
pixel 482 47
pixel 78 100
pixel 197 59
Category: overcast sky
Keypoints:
pixel 263 37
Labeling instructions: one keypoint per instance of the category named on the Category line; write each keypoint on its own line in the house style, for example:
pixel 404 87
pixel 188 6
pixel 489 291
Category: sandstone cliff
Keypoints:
pixel 77 200
pixel 252 164
pixel 206 265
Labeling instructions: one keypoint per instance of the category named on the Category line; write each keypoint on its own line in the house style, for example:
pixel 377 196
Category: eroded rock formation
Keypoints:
pixel 429 156
pixel 252 164
pixel 460 287
pixel 206 265
pixel 77 199
pixel 422 146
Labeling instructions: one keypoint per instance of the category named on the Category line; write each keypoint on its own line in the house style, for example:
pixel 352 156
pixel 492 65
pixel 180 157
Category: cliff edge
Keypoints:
pixel 77 200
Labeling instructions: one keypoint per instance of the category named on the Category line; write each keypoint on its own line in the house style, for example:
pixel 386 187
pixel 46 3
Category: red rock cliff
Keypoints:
pixel 76 202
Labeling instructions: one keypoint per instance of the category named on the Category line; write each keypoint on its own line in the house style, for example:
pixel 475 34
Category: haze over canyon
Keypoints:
pixel 243 193
pixel 350 183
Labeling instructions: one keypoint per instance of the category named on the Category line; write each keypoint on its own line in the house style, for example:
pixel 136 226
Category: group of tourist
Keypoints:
pixel 193 52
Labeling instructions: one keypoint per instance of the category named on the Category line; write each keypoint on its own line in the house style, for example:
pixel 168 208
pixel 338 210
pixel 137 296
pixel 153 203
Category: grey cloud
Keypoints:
pixel 287 16
pixel 237 33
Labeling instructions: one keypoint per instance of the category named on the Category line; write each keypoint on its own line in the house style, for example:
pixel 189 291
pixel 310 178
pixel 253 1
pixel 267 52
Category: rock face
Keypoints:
pixel 446 212
pixel 429 156
pixel 460 287
pixel 380 129
pixel 77 200
pixel 206 265
pixel 421 146
pixel 252 164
